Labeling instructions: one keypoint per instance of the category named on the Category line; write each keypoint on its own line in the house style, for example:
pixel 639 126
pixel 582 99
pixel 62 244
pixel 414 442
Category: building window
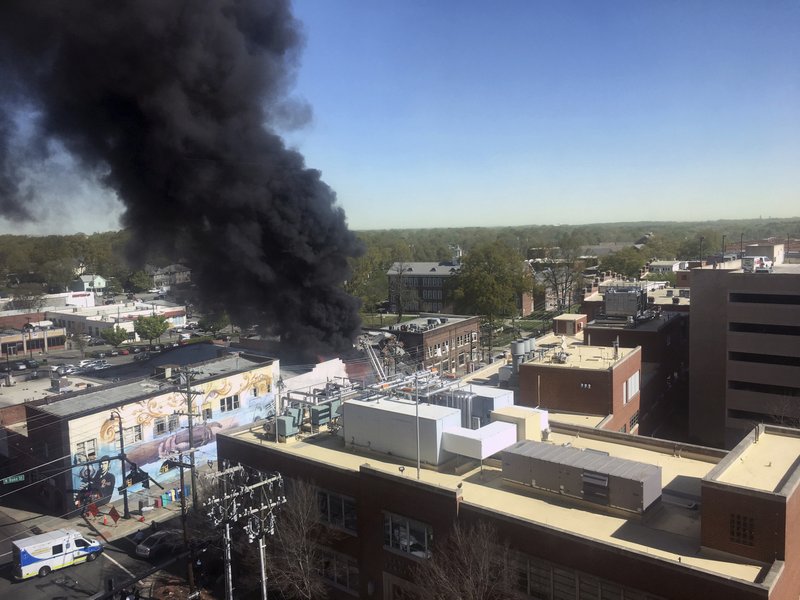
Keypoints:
pixel 339 569
pixel 634 420
pixel 539 579
pixel 229 403
pixel 208 412
pixel 131 435
pixel 86 450
pixel 159 426
pixel 407 535
pixel 337 511
pixel 173 423
pixel 631 387
pixel 742 530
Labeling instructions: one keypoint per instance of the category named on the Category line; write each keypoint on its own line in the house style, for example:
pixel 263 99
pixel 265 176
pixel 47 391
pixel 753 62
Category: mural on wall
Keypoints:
pixel 153 430
pixel 97 483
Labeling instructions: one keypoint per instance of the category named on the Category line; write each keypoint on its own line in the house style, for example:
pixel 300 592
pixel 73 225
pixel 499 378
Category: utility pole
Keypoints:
pixel 190 414
pixel 254 504
pixel 166 466
pixel 222 510
pixel 125 512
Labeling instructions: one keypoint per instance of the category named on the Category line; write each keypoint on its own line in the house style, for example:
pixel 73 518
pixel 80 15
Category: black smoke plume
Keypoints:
pixel 174 104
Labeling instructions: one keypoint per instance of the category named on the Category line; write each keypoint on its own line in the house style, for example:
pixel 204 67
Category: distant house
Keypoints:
pixel 171 275
pixel 89 283
pixel 666 266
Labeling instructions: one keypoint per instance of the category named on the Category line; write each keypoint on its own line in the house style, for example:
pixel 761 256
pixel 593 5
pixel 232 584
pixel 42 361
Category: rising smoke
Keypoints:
pixel 173 103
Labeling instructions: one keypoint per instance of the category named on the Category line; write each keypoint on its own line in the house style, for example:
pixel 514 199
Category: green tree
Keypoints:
pixel 368 281
pixel 701 245
pixel 140 282
pixel 214 322
pixel 491 277
pixel 114 336
pixel 627 261
pixel 150 328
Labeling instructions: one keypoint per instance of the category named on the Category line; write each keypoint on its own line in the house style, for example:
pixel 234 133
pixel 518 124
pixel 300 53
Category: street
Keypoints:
pixel 80 581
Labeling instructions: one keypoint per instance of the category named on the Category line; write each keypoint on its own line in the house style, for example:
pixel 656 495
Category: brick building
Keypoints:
pixel 588 380
pixel 740 544
pixel 450 343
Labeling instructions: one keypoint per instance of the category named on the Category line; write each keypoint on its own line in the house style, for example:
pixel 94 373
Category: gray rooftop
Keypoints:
pixel 428 269
pixel 590 460
pixel 117 394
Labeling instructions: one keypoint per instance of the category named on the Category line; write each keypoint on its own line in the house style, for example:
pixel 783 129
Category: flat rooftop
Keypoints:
pixel 570 317
pixel 578 355
pixel 114 394
pixel 27 390
pixel 763 465
pixel 670 532
pixel 568 418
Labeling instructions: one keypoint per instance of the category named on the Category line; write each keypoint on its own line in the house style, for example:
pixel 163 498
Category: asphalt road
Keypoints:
pixel 80 581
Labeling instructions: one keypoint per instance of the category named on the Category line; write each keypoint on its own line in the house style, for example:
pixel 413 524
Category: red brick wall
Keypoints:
pixel 376 492
pixel 769 514
pixel 561 389
pixel 789 582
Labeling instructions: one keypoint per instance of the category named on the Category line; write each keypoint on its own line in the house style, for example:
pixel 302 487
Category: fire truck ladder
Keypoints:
pixel 377 366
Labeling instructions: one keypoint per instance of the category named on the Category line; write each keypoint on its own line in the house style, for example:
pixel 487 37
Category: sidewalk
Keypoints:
pixel 102 527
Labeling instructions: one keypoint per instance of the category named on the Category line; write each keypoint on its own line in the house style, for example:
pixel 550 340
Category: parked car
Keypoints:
pixel 99 354
pixel 113 352
pixel 85 363
pixel 136 349
pixel 31 363
pixel 159 544
pixel 124 352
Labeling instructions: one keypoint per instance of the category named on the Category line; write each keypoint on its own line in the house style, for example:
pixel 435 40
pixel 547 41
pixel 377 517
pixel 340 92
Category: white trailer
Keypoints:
pixel 47 552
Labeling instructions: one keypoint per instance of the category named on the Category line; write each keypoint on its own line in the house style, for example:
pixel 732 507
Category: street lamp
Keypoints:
pixel 125 512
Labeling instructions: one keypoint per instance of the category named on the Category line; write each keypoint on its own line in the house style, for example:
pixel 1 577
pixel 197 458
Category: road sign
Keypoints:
pixel 14 479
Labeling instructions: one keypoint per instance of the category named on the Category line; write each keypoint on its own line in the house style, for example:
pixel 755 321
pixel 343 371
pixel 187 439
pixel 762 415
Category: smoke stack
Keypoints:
pixel 175 106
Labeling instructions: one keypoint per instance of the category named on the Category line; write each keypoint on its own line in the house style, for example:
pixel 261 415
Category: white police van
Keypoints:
pixel 41 554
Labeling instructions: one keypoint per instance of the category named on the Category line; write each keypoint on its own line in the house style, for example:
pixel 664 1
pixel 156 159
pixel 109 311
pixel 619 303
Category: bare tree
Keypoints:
pixel 561 275
pixel 295 549
pixel 471 565
pixel 401 294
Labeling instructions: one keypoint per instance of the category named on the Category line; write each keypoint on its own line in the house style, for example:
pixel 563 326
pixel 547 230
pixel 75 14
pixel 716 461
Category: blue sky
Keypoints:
pixel 465 113
pixel 473 113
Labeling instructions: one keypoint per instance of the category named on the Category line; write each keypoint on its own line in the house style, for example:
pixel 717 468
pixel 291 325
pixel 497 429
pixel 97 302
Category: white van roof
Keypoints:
pixel 43 538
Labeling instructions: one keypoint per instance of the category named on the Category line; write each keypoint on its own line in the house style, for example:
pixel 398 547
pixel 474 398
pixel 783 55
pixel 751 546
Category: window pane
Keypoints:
pixel 337 516
pixel 350 516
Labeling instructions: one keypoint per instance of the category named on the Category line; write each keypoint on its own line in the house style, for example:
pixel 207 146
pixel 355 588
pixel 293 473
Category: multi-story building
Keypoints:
pixel 585 513
pixel 745 352
pixel 450 343
pixel 77 435
pixel 589 380
pixel 171 275
pixel 420 286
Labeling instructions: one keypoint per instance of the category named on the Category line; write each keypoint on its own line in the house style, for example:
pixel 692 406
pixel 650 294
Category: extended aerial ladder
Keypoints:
pixel 374 360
